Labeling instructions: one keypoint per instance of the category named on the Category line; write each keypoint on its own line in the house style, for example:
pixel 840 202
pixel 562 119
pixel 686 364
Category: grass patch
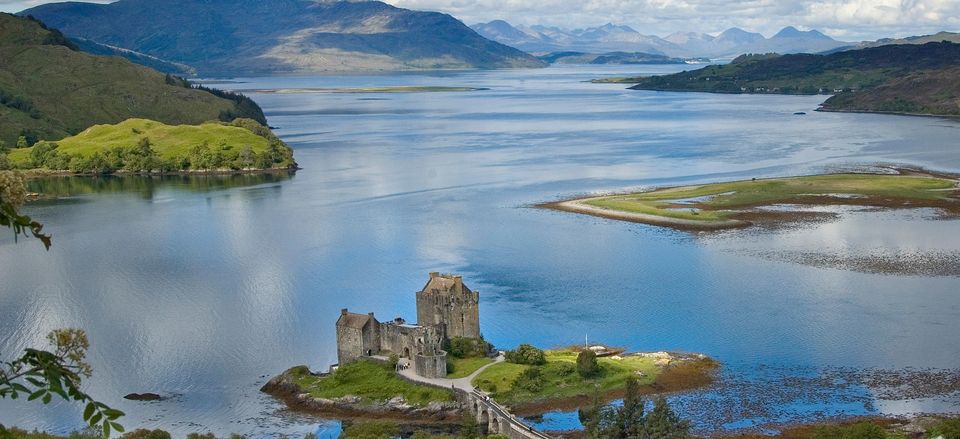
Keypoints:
pixel 722 201
pixel 372 382
pixel 560 377
pixel 463 367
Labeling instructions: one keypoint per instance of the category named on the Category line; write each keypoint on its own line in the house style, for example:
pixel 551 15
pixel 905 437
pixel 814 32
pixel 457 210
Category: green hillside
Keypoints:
pixel 49 90
pixel 925 92
pixel 140 145
pixel 878 73
pixel 243 37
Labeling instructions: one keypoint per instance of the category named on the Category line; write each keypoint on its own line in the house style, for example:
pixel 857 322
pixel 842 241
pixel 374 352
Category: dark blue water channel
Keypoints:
pixel 201 288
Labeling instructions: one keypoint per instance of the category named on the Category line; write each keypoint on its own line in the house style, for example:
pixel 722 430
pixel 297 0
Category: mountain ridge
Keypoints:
pixel 225 37
pixel 611 38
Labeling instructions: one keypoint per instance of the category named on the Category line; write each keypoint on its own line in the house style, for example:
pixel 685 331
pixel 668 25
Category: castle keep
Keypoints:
pixel 446 308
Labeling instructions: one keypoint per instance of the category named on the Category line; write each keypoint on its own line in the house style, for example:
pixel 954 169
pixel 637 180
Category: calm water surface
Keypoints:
pixel 200 288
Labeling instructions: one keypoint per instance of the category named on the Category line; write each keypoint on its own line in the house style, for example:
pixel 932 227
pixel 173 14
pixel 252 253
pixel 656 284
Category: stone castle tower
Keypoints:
pixel 447 302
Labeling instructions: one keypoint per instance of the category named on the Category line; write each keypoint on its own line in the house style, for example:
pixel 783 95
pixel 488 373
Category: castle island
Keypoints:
pixel 440 369
pixel 446 308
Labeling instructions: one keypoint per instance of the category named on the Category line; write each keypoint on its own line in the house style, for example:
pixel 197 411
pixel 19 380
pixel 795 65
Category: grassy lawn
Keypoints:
pixel 463 367
pixel 370 381
pixel 169 141
pixel 720 201
pixel 561 379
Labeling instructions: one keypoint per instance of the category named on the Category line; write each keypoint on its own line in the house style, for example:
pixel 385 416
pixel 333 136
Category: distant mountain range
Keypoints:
pixel 612 38
pixel 270 36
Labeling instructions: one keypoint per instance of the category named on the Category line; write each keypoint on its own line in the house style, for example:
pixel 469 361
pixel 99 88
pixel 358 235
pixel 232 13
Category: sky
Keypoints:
pixel 850 20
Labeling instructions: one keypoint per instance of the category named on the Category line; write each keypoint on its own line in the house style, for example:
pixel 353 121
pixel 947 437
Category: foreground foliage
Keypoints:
pixel 13 193
pixel 39 374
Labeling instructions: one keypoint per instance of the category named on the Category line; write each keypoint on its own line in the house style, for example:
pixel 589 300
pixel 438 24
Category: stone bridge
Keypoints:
pixel 492 417
pixel 495 419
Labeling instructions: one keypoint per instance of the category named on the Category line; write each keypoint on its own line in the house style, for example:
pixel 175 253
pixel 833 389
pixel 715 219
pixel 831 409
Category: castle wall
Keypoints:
pixel 453 306
pixel 349 344
pixel 431 366
pixel 403 339
pixel 398 339
pixel 371 337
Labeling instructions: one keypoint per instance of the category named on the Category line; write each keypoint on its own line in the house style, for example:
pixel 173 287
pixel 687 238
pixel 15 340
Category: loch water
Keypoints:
pixel 200 288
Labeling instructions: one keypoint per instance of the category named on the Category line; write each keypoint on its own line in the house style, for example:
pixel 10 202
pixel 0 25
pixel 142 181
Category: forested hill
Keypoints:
pixel 869 79
pixel 49 90
pixel 230 37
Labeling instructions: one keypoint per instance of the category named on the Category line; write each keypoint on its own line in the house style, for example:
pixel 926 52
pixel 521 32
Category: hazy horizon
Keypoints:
pixel 850 20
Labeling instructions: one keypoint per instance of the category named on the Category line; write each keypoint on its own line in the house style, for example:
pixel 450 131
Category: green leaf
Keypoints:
pixel 112 413
pixel 106 429
pixel 88 412
pixel 36 394
pixel 95 419
pixel 117 427
pixel 47 398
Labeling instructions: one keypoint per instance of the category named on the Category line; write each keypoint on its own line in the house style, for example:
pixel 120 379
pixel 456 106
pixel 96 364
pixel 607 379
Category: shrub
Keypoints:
pixel 530 380
pixel 393 360
pixel 201 436
pixel 949 429
pixel 860 430
pixel 371 430
pixel 142 433
pixel 526 354
pixel 587 363
pixel 463 347
pixel 564 369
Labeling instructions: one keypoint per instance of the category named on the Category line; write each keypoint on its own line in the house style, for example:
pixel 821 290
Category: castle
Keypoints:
pixel 446 308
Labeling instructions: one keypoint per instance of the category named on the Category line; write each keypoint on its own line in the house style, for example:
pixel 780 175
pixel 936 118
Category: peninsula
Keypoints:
pixel 899 78
pixel 743 203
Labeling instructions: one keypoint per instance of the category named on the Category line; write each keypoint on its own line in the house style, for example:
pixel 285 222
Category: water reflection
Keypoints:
pixel 200 288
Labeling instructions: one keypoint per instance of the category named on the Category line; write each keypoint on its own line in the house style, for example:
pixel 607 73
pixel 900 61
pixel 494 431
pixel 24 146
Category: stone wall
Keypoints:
pixel 349 344
pixel 400 339
pixel 431 366
pixel 371 337
pixel 409 340
pixel 446 301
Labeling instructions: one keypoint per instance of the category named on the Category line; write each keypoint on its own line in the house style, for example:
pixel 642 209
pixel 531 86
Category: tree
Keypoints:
pixel 587 365
pixel 469 428
pixel 42 375
pixel 629 422
pixel 13 193
pixel 531 380
pixel 526 354
pixel 663 423
pixel 22 142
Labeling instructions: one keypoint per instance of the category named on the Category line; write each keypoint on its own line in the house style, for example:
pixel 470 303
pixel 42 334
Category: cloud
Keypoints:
pixel 844 19
pixel 853 19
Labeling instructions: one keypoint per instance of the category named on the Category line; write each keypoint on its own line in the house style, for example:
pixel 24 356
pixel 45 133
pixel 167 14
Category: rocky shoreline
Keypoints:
pixel 285 388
